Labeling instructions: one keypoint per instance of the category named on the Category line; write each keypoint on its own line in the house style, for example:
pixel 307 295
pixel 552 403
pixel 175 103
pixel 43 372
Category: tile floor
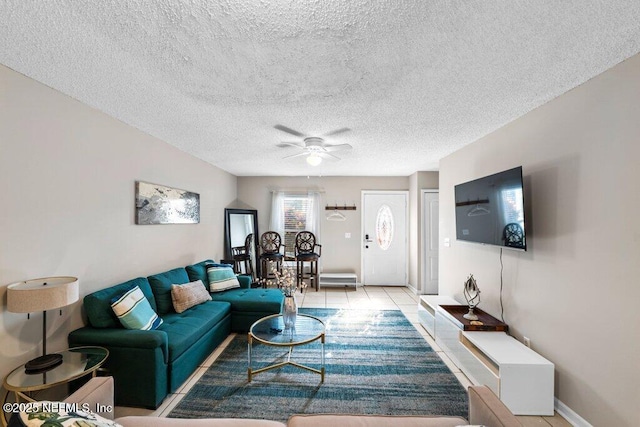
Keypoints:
pixel 367 297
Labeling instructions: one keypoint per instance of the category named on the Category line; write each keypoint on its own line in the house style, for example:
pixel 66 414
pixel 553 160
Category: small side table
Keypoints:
pixel 76 363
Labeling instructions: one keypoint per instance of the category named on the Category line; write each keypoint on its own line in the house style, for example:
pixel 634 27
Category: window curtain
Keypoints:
pixel 313 219
pixel 276 222
pixel 313 213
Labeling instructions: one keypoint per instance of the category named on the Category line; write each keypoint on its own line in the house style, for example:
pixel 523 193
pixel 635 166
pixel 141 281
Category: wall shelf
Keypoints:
pixel 340 208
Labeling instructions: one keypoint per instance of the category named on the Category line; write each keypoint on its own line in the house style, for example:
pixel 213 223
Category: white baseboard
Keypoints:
pixel 570 415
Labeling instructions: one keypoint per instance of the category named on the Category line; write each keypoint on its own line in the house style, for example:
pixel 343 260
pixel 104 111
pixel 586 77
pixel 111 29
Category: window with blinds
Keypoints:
pixel 295 220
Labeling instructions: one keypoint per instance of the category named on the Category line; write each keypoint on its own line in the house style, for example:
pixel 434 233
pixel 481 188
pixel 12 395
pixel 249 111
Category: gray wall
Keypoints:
pixel 67 176
pixel 574 293
pixel 339 254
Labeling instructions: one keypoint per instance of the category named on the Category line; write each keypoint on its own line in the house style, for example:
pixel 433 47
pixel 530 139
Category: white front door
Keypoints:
pixel 430 224
pixel 384 246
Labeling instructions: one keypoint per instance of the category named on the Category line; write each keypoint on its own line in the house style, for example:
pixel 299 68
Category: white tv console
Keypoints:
pixel 427 307
pixel 520 377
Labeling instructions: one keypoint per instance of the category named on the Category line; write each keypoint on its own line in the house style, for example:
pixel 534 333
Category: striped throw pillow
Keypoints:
pixel 134 311
pixel 188 295
pixel 221 279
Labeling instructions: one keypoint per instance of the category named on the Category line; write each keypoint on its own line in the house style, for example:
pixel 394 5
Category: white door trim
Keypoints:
pixel 406 222
pixel 424 238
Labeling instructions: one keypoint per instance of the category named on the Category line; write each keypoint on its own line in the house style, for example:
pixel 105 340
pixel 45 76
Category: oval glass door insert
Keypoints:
pixel 384 227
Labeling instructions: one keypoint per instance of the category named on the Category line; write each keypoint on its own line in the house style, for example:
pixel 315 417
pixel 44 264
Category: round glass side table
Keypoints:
pixel 271 331
pixel 76 363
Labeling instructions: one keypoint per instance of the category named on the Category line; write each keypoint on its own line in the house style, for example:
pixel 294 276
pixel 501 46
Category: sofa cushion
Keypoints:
pixel 328 420
pixel 252 300
pixel 485 407
pixel 48 414
pixel 161 286
pixel 189 295
pixel 184 329
pixel 221 278
pixel 98 304
pixel 98 394
pixel 134 311
pixel 142 421
pixel 199 271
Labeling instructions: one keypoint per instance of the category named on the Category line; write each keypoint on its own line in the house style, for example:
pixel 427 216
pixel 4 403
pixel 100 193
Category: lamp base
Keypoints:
pixel 42 363
pixel 470 315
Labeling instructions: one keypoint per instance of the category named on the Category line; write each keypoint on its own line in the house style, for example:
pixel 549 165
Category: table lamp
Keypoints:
pixel 43 294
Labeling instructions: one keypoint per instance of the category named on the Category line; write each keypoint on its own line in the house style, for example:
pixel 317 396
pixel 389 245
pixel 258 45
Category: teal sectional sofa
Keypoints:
pixel 148 365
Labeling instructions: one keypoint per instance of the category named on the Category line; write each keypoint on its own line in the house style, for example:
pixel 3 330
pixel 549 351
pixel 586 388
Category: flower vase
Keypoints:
pixel 290 311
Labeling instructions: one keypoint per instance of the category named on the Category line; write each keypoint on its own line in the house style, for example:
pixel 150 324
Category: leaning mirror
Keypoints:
pixel 241 237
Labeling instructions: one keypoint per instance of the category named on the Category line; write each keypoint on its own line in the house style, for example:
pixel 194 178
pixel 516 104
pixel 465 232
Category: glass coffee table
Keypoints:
pixel 271 331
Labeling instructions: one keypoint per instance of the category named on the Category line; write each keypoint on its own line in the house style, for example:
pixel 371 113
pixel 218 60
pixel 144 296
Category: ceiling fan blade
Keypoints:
pixel 337 147
pixel 304 153
pixel 337 131
pixel 328 156
pixel 290 144
pixel 289 130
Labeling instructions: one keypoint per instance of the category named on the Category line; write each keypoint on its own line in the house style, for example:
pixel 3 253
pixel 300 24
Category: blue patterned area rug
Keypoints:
pixel 376 363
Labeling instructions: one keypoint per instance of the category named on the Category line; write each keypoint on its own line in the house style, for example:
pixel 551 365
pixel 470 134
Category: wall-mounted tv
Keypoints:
pixel 490 210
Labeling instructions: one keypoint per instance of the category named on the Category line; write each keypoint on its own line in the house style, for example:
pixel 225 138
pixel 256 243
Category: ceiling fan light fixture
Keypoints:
pixel 314 159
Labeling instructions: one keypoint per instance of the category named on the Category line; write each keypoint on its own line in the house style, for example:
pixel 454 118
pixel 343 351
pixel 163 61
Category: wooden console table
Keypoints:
pixel 489 323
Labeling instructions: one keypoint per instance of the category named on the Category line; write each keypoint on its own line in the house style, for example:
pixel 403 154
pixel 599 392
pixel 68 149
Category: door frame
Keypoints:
pixel 405 193
pixel 424 240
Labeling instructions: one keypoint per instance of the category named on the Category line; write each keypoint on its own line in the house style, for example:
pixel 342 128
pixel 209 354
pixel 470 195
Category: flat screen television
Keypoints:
pixel 490 210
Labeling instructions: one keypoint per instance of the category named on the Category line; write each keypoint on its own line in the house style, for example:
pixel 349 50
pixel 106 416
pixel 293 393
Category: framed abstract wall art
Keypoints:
pixel 157 204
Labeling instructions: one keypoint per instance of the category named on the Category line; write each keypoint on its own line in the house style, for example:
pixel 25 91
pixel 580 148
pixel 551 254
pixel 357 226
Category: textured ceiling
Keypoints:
pixel 414 80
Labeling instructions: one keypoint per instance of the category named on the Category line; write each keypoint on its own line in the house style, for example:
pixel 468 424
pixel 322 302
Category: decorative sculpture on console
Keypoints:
pixel 472 295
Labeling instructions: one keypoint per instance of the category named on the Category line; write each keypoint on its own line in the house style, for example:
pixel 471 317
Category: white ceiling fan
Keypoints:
pixel 313 147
